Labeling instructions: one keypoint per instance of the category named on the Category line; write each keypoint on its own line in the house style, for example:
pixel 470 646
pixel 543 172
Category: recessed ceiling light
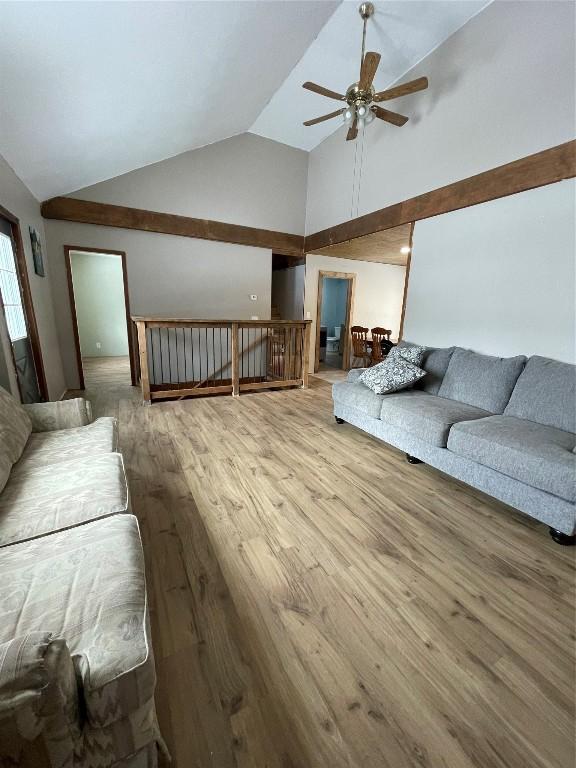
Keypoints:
pixel 405 249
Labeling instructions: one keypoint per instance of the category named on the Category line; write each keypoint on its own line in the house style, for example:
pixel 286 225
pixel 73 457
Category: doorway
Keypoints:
pixel 98 289
pixel 20 329
pixel 333 316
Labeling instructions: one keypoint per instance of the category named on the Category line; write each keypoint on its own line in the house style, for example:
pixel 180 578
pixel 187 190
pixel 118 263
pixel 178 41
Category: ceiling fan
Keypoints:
pixel 360 96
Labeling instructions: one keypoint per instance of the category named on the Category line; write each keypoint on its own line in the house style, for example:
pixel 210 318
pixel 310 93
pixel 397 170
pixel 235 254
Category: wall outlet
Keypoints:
pixel 254 317
pixel 98 345
pixel 253 297
pixel 307 315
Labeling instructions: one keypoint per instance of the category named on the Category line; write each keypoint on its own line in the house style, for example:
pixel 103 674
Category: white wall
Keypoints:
pixel 100 308
pixel 16 198
pixel 167 276
pixel 378 295
pixel 245 180
pixel 499 277
pixel 288 292
pixel 502 87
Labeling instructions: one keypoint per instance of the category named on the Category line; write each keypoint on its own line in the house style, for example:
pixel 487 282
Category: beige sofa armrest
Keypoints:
pixel 63 414
pixel 39 703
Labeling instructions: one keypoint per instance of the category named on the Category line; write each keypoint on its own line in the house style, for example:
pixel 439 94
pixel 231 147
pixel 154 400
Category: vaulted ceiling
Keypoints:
pixel 402 31
pixel 91 90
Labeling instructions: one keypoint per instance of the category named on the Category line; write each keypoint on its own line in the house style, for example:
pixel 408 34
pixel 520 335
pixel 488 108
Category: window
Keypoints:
pixel 10 291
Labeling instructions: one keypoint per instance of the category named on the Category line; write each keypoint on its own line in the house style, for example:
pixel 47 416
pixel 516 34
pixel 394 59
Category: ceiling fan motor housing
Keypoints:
pixel 355 96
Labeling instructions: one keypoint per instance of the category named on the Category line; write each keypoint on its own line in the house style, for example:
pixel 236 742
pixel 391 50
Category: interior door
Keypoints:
pixel 16 322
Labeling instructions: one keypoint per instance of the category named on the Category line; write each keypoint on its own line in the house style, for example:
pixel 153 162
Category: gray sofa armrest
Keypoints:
pixel 39 703
pixel 63 414
pixel 354 374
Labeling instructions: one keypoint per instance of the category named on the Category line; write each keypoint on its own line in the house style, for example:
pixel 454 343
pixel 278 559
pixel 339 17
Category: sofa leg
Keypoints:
pixel 563 538
pixel 413 459
pixel 339 420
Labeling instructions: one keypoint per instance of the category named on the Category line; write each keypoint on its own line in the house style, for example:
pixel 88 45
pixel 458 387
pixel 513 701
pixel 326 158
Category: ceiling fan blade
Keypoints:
pixel 353 130
pixel 324 117
pixel 323 91
pixel 389 117
pixel 369 67
pixel 402 90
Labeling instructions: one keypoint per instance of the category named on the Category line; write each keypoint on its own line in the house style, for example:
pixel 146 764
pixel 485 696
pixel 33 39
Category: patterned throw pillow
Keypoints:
pixel 393 374
pixel 414 354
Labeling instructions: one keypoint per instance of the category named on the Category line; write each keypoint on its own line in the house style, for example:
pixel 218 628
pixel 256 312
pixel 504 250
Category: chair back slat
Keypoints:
pixel 360 349
pixel 378 336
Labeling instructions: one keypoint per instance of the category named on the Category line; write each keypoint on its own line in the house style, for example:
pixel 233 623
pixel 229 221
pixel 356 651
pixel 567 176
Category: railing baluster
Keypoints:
pixel 235 361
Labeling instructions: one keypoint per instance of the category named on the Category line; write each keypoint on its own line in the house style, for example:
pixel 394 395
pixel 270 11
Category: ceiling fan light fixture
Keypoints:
pixel 349 114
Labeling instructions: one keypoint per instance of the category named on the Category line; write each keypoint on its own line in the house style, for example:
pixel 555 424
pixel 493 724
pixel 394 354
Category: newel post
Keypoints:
pixel 143 356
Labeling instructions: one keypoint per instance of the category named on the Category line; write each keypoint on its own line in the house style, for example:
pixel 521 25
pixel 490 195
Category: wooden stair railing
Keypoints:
pixel 188 358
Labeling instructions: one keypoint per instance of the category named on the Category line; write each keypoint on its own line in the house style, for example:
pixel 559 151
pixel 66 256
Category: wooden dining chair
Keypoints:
pixel 378 336
pixel 360 349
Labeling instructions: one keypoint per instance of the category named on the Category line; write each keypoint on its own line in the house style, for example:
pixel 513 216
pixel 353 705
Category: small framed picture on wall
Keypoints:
pixel 36 252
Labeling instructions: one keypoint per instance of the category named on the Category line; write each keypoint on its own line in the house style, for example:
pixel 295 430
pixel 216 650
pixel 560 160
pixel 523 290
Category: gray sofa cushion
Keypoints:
pixel 535 454
pixel 354 374
pixel 434 362
pixel 427 417
pixel 546 393
pixel 355 395
pixel 481 380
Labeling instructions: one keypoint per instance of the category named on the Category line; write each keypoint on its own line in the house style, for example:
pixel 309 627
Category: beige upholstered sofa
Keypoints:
pixel 76 665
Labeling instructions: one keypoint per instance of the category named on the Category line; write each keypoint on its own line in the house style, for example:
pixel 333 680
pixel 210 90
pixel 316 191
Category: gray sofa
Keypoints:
pixel 503 425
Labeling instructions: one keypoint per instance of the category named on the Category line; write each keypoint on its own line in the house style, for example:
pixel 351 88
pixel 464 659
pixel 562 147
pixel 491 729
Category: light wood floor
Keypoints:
pixel 316 602
pixel 330 374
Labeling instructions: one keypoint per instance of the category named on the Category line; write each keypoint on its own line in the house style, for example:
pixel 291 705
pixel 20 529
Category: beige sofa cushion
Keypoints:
pixel 5 468
pixel 39 705
pixel 87 586
pixel 59 414
pixel 15 427
pixel 41 500
pixel 44 448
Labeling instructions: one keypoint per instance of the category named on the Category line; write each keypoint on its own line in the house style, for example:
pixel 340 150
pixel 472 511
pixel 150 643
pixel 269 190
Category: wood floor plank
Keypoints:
pixel 316 602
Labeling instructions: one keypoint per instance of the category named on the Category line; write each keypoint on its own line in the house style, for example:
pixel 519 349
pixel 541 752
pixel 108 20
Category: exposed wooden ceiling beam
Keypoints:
pixel 536 170
pixel 384 247
pixel 86 212
pixel 546 167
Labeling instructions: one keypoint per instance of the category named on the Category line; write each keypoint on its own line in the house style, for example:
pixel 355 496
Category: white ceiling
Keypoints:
pixel 91 90
pixel 402 31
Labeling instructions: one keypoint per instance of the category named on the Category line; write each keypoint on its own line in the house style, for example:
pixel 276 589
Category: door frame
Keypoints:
pixel 351 277
pixel 68 262
pixel 26 294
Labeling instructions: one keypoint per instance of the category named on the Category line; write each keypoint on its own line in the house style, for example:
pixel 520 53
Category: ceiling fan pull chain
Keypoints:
pixel 359 185
pixel 354 181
